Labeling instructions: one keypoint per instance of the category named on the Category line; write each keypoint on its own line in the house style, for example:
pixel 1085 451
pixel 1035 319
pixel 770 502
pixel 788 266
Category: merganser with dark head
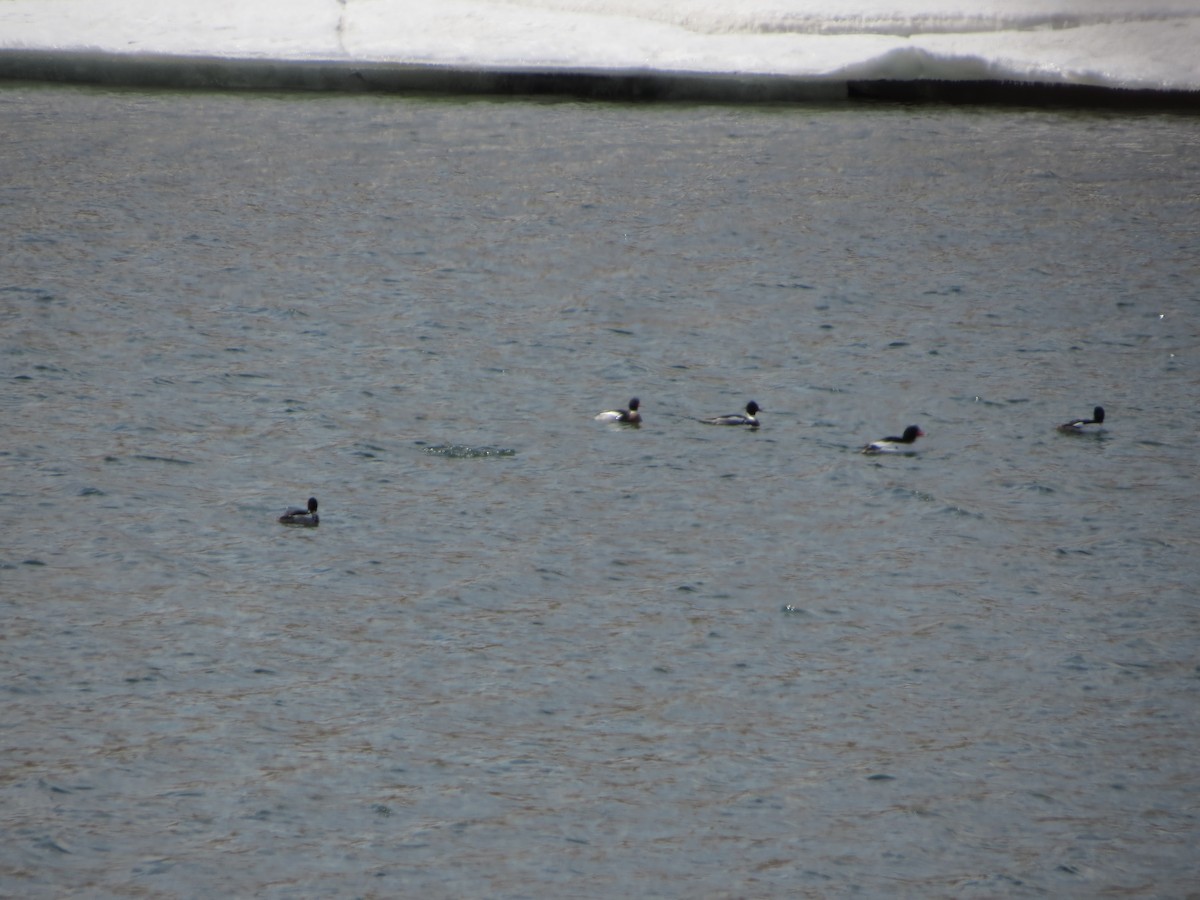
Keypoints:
pixel 629 416
pixel 1078 426
pixel 306 517
pixel 902 444
pixel 749 418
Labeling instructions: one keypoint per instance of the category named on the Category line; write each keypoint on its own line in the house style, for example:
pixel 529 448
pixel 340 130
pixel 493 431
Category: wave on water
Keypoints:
pixel 464 451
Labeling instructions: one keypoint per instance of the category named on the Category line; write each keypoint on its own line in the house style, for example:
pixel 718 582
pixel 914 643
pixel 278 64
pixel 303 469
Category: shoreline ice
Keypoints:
pixel 1068 50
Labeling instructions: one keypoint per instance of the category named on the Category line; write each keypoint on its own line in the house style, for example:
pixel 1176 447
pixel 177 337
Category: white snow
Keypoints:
pixel 1116 43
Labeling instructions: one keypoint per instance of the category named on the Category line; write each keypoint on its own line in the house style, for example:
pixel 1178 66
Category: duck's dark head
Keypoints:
pixel 911 433
pixel 312 504
pixel 752 408
pixel 634 404
pixel 1098 414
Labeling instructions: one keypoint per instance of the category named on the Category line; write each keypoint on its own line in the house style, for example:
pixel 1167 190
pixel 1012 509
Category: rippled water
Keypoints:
pixel 531 655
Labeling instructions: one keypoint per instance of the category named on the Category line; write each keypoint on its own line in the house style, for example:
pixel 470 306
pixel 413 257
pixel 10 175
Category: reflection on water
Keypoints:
pixel 568 657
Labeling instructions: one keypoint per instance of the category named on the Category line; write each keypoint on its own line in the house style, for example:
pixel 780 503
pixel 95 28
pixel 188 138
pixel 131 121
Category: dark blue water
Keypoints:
pixel 528 654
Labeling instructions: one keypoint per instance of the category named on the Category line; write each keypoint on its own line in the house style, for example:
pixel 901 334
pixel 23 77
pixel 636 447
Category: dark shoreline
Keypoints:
pixel 219 73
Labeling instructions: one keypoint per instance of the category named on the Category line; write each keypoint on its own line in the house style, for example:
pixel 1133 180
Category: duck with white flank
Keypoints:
pixel 902 444
pixel 305 517
pixel 1079 426
pixel 749 418
pixel 629 416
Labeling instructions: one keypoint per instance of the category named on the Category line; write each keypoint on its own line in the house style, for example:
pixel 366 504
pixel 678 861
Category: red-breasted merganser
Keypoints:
pixel 902 444
pixel 749 418
pixel 629 416
pixel 1076 426
pixel 306 517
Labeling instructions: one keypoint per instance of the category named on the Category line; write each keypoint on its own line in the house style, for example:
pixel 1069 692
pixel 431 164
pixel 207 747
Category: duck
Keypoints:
pixel 629 416
pixel 900 444
pixel 750 417
pixel 305 517
pixel 1076 426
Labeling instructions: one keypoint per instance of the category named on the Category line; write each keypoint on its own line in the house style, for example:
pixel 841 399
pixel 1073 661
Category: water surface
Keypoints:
pixel 527 654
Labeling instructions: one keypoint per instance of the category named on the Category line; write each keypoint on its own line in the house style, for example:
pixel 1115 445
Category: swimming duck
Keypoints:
pixel 629 416
pixel 895 444
pixel 1076 426
pixel 306 517
pixel 749 418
